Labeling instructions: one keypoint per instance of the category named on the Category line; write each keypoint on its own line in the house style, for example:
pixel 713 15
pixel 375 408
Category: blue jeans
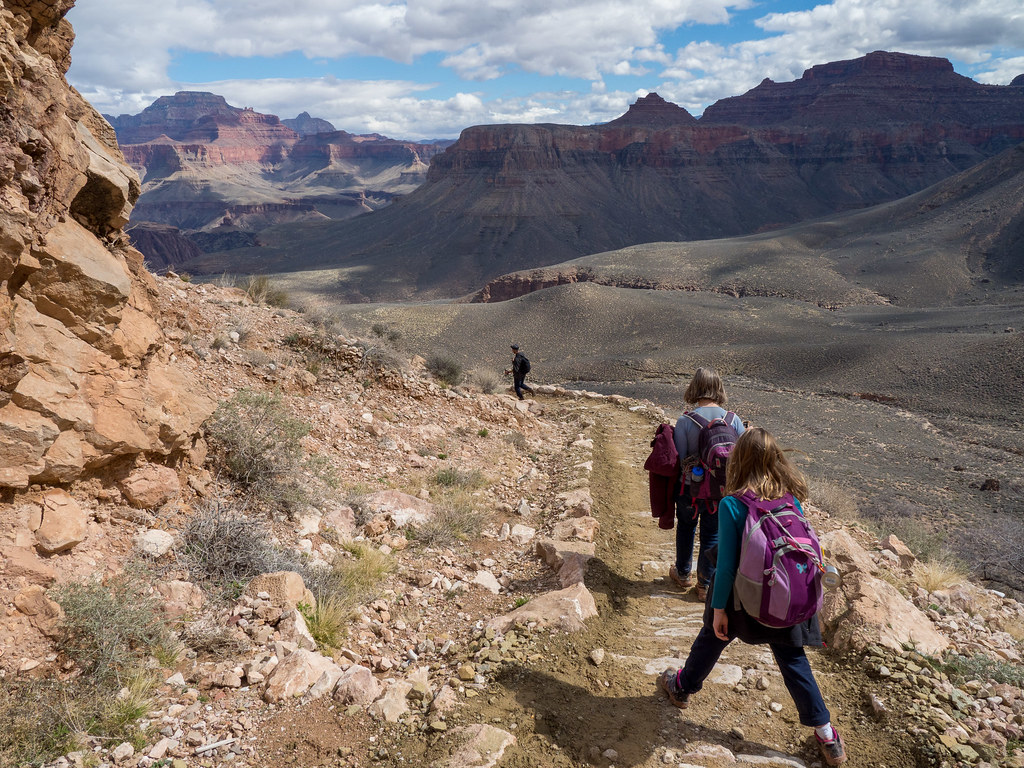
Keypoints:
pixel 686 527
pixel 792 662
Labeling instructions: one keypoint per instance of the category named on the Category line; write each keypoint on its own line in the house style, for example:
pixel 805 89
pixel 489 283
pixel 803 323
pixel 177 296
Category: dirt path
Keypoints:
pixel 567 711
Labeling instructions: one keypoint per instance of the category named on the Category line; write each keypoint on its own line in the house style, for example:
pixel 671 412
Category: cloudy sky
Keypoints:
pixel 429 68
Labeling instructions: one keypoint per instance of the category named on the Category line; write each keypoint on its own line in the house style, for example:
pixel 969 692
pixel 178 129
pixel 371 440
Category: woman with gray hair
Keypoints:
pixel 695 506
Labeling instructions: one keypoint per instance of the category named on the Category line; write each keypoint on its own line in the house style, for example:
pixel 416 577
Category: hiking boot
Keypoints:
pixel 833 751
pixel 673 574
pixel 667 683
pixel 702 592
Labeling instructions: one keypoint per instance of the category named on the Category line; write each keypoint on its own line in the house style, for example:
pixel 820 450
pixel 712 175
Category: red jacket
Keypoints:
pixel 663 466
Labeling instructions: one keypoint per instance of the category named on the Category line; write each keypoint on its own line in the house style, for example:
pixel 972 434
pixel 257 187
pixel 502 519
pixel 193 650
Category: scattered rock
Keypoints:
pixel 150 486
pixel 597 656
pixel 357 685
pixel 154 543
pixel 565 609
pixel 63 523
pixel 296 674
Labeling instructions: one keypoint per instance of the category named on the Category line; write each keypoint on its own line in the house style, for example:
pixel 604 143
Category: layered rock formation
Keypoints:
pixel 304 124
pixel 510 197
pixel 83 375
pixel 208 166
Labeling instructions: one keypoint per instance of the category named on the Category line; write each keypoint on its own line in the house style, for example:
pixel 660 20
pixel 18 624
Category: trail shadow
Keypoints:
pixel 579 720
pixel 621 591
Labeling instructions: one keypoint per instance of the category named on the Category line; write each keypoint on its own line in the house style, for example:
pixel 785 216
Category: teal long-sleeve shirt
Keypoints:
pixel 732 517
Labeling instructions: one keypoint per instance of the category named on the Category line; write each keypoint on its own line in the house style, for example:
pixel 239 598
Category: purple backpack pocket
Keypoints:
pixel 778 580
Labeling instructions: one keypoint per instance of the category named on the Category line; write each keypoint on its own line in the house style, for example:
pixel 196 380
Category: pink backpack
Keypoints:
pixel 778 580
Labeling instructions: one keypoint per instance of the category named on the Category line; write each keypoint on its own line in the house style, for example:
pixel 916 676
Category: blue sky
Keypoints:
pixel 429 68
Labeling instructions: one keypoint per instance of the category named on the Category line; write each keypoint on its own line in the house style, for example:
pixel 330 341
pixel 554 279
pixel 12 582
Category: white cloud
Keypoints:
pixel 702 73
pixel 125 48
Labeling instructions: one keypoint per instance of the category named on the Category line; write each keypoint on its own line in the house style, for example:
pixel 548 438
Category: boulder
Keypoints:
pixel 296 674
pixel 488 581
pixel 63 523
pixel 179 597
pixel 482 746
pixel 21 563
pixel 901 550
pixel 357 685
pixel 400 508
pixel 866 610
pixel 584 528
pixel 44 613
pixel 521 535
pixel 341 519
pixel 150 486
pixel 565 609
pixel 292 628
pixel 394 703
pixel 153 543
pixel 286 589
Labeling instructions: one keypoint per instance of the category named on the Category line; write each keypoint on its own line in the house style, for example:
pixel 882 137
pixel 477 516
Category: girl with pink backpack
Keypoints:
pixel 768 575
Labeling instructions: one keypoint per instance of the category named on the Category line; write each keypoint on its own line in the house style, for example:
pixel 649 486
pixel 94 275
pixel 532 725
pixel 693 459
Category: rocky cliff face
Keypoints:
pixel 206 165
pixel 305 125
pixel 511 197
pixel 84 379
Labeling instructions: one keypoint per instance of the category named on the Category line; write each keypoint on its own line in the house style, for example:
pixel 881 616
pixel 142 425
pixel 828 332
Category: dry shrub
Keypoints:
pixel 380 360
pixel 328 620
pixel 108 629
pixel 833 498
pixel 485 380
pixel 207 635
pixel 224 548
pixel 445 368
pixel 452 477
pixel 993 548
pixel 933 575
pixel 913 524
pixel 455 519
pixel 355 576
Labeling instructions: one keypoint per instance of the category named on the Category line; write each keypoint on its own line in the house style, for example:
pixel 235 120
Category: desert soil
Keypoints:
pixel 567 711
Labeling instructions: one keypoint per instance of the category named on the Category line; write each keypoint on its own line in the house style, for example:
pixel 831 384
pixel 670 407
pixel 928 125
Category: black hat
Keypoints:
pixel 515 346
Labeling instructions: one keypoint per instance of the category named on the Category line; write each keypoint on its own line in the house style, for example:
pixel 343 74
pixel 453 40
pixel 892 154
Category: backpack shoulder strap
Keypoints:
pixel 697 419
pixel 730 417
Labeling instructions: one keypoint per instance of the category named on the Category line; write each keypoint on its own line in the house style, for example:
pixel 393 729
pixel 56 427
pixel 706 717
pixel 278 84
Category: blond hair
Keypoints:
pixel 705 385
pixel 759 465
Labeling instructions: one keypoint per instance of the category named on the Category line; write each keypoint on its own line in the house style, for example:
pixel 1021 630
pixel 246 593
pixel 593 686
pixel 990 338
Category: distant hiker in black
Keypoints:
pixel 520 367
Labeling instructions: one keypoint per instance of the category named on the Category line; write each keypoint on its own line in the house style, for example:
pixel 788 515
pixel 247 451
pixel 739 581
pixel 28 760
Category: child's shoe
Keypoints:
pixel 833 750
pixel 667 683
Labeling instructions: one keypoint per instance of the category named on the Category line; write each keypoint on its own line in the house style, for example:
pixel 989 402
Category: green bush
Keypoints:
pixel 444 368
pixel 454 519
pixel 261 290
pixel 108 629
pixel 451 477
pixel 260 444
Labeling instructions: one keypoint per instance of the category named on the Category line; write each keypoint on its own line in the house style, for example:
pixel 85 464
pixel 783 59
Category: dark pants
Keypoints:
pixel 689 520
pixel 792 662
pixel 519 382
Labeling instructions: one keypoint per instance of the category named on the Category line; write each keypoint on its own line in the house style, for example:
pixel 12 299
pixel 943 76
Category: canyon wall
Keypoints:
pixel 84 376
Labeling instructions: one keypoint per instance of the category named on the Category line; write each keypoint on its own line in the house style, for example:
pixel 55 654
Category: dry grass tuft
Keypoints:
pixel 833 498
pixel 938 574
pixel 455 518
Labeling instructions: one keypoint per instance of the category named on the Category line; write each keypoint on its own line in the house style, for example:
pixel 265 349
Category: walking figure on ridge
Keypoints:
pixel 520 367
